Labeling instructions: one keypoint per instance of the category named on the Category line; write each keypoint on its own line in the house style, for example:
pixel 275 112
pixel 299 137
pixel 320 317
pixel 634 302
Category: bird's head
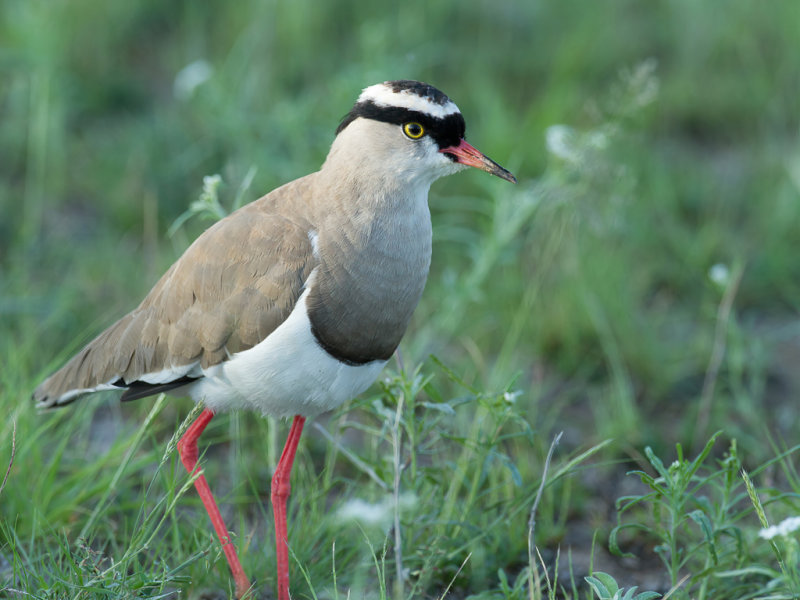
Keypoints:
pixel 411 130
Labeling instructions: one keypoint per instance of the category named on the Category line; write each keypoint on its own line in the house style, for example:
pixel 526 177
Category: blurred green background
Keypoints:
pixel 640 283
pixel 680 153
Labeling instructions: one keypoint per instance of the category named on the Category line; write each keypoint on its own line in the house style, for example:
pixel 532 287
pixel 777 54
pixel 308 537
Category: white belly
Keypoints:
pixel 286 374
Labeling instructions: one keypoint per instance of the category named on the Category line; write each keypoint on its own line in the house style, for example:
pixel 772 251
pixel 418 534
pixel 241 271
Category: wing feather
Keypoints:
pixel 231 288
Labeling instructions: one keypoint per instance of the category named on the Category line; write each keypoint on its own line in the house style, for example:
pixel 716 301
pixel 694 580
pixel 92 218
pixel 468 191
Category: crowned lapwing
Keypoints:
pixel 292 304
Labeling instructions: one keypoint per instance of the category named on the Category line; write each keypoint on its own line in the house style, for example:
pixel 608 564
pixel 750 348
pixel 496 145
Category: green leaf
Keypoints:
pixel 599 589
pixel 700 458
pixel 699 517
pixel 613 545
pixel 606 588
pixel 439 406
pixel 658 465
pixel 604 585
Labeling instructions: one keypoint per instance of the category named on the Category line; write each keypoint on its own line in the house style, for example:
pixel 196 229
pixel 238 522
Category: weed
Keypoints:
pixel 698 525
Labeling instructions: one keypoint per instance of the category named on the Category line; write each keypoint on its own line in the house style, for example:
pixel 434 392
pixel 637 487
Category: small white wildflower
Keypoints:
pixel 561 142
pixel 359 510
pixel 190 77
pixel 675 471
pixel 379 514
pixel 641 82
pixel 598 140
pixel 785 527
pixel 511 397
pixel 211 183
pixel 719 274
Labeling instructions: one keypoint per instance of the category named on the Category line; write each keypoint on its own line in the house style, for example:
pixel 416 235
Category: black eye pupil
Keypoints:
pixel 413 130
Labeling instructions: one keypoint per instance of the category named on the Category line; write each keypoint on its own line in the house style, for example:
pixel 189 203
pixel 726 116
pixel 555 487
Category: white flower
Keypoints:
pixel 190 77
pixel 785 527
pixel 719 274
pixel 371 514
pixel 561 142
pixel 379 514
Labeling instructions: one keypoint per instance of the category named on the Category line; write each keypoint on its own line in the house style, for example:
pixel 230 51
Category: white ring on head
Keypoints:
pixel 383 95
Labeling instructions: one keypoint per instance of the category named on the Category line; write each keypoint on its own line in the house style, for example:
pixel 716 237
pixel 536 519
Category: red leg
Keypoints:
pixel 187 448
pixel 279 494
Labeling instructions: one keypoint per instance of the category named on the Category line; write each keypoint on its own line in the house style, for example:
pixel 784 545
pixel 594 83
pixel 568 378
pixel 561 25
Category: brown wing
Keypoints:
pixel 231 288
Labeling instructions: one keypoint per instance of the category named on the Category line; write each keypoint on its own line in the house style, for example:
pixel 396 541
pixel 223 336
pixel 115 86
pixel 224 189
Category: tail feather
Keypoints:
pixel 111 362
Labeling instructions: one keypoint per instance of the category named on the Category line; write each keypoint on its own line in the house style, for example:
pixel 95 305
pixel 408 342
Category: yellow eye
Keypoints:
pixel 414 130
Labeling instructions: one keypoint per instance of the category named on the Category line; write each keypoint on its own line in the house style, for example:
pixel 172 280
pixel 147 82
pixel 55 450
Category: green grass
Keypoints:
pixel 655 144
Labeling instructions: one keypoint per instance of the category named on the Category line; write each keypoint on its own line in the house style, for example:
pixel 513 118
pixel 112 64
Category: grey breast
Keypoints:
pixel 370 278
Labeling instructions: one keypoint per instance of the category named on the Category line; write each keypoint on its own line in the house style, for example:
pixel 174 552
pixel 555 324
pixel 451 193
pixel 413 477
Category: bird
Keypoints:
pixel 292 304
